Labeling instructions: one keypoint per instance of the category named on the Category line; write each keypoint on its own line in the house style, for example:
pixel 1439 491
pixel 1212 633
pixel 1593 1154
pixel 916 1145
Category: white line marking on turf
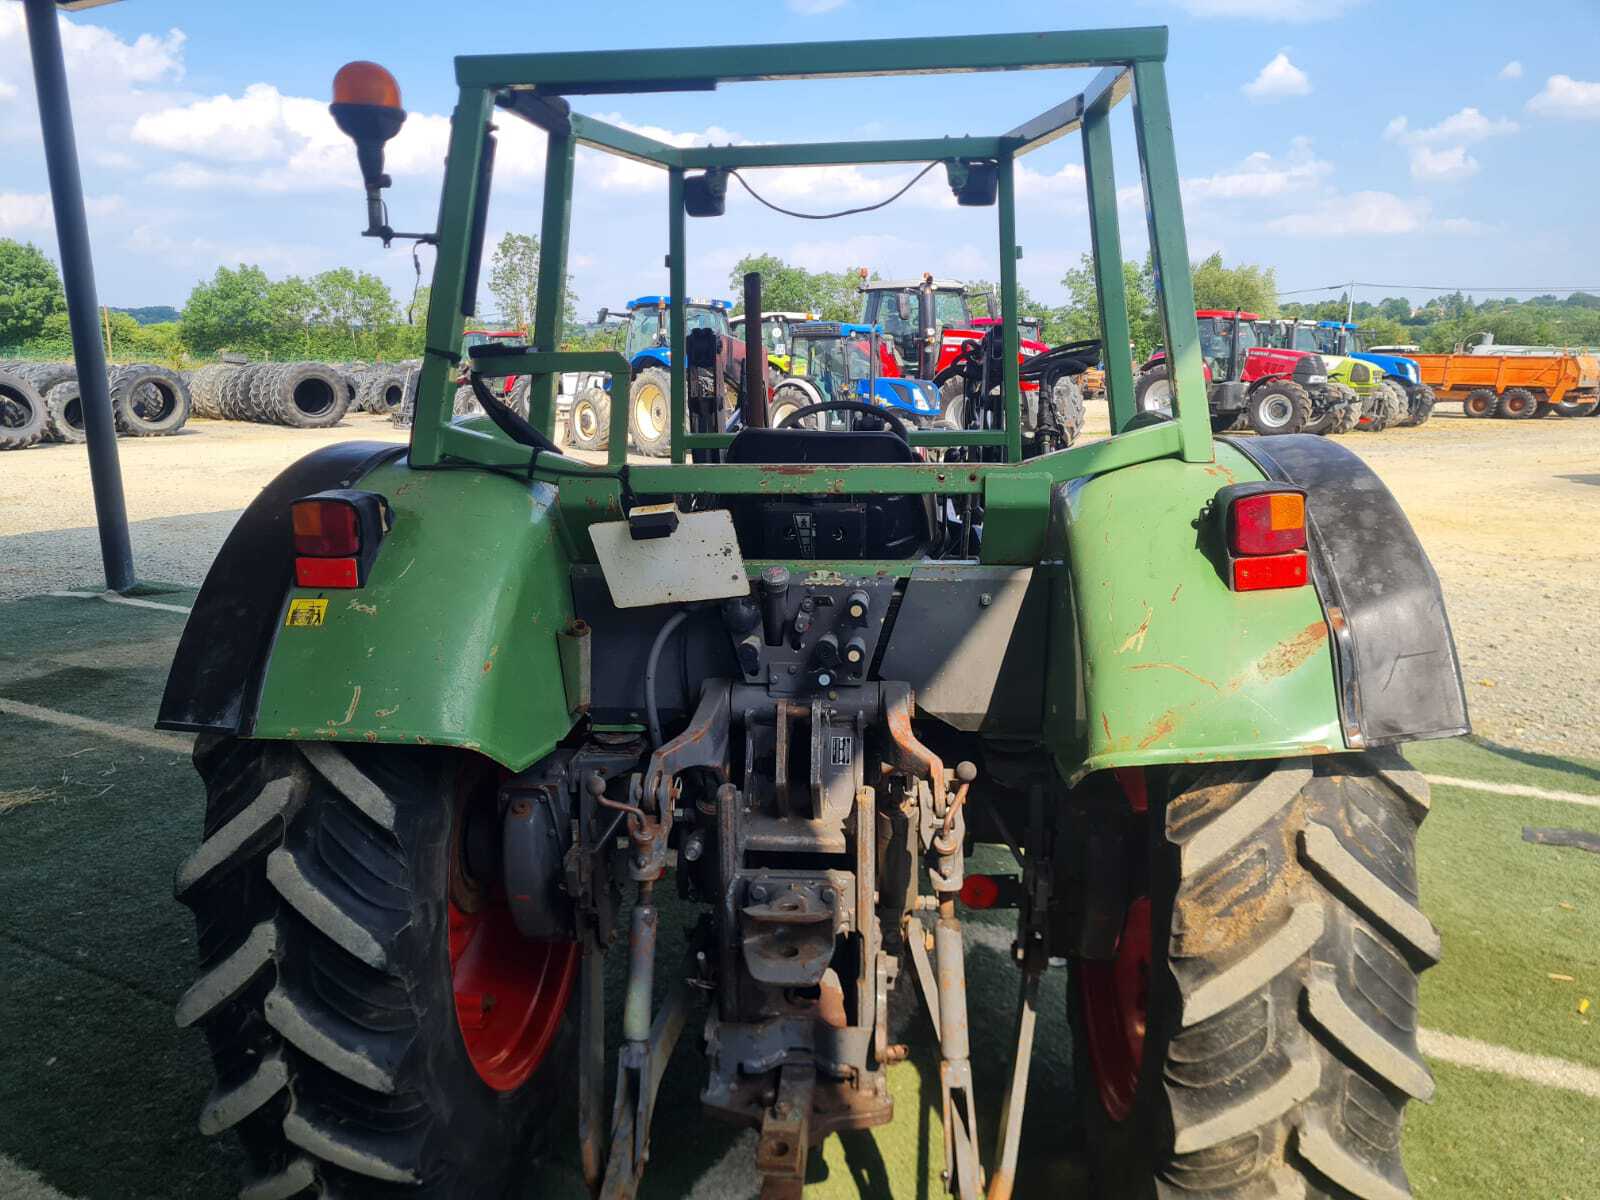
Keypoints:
pixel 113 598
pixel 16 1180
pixel 1516 789
pixel 1534 1068
pixel 148 738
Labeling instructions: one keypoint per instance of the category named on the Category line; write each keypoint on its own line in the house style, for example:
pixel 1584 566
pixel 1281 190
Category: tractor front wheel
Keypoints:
pixel 1419 404
pixel 650 412
pixel 377 1024
pixel 590 421
pixel 1281 406
pixel 1152 392
pixel 1254 1035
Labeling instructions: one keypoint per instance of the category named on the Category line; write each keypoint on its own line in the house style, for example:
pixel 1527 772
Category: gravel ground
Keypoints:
pixel 1509 512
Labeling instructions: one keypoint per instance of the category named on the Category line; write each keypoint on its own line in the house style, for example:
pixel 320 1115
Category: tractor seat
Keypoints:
pixel 753 445
pixel 827 526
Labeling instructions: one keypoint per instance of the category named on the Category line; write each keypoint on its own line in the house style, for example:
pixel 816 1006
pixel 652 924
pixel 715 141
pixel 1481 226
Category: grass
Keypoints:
pixel 10 801
pixel 99 1091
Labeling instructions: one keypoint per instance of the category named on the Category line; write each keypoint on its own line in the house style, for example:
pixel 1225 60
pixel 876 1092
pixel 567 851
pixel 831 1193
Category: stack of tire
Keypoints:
pixel 40 401
pixel 302 395
pixel 381 388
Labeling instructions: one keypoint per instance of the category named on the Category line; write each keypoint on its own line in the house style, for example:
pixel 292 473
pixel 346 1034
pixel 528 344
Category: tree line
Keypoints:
pixel 346 314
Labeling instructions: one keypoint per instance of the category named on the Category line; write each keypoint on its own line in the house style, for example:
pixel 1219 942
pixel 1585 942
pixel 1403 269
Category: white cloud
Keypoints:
pixel 1450 161
pixel 1564 96
pixel 265 140
pixel 1295 12
pixel 1437 166
pixel 624 174
pixel 112 79
pixel 1512 70
pixel 1261 176
pixel 22 211
pixel 1371 214
pixel 814 8
pixel 1279 78
pixel 1468 125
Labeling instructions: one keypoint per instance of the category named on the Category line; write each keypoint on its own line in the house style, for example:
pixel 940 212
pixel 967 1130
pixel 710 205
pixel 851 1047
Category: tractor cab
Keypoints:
pixel 776 335
pixel 1226 339
pixel 839 361
pixel 917 315
pixel 647 323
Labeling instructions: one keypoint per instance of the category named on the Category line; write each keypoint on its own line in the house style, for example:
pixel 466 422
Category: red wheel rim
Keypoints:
pixel 510 992
pixel 1116 998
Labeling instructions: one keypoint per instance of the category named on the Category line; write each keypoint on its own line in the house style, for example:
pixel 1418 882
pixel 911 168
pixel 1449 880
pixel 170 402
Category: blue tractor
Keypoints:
pixel 837 360
pixel 650 385
pixel 1342 337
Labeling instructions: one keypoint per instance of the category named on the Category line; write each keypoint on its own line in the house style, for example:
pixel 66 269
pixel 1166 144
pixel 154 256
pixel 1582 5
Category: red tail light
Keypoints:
pixel 1269 571
pixel 336 537
pixel 1262 528
pixel 1267 523
pixel 326 528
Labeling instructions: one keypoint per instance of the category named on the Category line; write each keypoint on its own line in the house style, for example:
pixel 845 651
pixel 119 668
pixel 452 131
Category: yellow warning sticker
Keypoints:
pixel 307 612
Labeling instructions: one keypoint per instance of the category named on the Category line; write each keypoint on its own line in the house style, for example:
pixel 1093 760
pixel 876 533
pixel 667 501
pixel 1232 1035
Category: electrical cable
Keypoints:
pixel 1423 287
pixel 849 212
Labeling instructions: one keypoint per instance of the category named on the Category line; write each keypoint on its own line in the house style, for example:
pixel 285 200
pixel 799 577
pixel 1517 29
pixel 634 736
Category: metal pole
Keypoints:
pixel 678 280
pixel 77 270
pixel 1010 348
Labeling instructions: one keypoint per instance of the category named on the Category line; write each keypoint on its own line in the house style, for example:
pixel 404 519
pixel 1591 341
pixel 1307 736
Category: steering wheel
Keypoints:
pixel 871 410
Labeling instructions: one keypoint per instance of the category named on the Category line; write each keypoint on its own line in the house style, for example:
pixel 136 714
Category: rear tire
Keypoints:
pixel 325 895
pixel 63 406
pixel 1283 948
pixel 1480 403
pixel 1281 406
pixel 148 401
pixel 650 412
pixel 1152 392
pixel 787 400
pixel 1517 404
pixel 1580 404
pixel 22 415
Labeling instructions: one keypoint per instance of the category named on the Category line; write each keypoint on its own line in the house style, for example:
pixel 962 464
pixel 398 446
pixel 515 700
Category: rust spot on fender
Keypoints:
pixel 1221 471
pixel 1173 599
pixel 1165 724
pixel 1136 638
pixel 1182 670
pixel 1105 723
pixel 1288 655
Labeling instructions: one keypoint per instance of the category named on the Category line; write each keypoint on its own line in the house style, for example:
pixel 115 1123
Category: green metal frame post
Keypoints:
pixel 1169 246
pixel 678 276
pixel 550 301
pixel 468 127
pixel 1010 388
pixel 1105 236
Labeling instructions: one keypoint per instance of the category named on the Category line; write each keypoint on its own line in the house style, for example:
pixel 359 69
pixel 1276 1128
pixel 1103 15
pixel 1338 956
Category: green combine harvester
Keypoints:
pixel 467 707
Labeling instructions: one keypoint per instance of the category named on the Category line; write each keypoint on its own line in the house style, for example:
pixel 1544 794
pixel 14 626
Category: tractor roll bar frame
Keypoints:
pixel 534 87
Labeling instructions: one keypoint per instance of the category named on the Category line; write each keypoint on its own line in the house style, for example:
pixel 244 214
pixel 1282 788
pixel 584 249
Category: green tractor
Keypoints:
pixel 488 734
pixel 1383 399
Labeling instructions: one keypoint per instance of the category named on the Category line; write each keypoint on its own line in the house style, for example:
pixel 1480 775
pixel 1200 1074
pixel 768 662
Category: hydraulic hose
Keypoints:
pixel 650 666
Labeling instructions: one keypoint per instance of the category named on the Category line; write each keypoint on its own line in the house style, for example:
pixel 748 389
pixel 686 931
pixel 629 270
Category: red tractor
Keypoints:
pixel 1275 391
pixel 926 325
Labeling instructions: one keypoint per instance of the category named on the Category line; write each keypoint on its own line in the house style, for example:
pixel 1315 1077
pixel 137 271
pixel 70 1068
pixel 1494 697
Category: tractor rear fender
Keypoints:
pixel 453 641
pixel 1154 660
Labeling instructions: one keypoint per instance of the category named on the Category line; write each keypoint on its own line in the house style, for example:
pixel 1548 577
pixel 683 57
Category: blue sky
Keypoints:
pixel 1383 140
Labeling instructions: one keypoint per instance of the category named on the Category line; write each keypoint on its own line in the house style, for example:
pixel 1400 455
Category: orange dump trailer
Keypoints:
pixel 1514 385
